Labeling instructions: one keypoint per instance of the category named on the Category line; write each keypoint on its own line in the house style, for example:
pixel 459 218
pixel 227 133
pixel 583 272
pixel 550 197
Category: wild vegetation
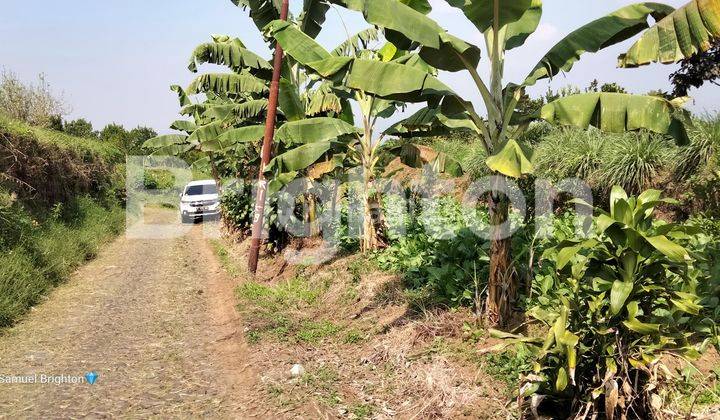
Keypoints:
pixel 589 321
pixel 636 291
pixel 60 199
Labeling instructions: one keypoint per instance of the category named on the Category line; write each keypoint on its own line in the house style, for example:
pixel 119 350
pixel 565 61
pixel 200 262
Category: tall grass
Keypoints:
pixel 42 254
pixel 566 153
pixel 636 162
pixel 466 149
pixel 704 144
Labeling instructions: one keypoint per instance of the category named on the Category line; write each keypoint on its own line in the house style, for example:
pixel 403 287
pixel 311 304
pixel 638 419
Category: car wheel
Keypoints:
pixel 185 219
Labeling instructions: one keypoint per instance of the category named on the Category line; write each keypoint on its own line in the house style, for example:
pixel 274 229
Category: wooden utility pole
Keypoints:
pixel 258 215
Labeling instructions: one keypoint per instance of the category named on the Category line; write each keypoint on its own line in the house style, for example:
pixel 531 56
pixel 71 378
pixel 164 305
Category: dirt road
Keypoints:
pixel 155 319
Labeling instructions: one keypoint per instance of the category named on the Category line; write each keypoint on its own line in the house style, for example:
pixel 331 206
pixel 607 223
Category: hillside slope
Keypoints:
pixel 60 198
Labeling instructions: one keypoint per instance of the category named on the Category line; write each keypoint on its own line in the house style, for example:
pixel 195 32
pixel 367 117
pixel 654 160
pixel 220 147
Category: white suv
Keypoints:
pixel 199 199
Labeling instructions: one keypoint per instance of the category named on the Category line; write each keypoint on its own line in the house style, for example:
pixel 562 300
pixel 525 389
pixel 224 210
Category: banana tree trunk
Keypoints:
pixel 503 281
pixel 312 216
pixel 369 235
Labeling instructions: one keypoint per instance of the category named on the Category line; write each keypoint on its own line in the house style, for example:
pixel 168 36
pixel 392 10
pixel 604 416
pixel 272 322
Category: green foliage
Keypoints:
pixel 37 256
pixel 80 128
pixel 635 162
pixel 440 254
pixel 237 206
pixel 158 179
pixel 613 304
pixel 130 142
pixel 88 148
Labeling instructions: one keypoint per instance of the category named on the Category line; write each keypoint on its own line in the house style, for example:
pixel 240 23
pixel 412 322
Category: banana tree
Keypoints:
pixel 230 100
pixel 363 148
pixel 506 25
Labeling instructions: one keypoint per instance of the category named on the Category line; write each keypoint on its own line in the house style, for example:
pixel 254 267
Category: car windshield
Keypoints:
pixel 201 189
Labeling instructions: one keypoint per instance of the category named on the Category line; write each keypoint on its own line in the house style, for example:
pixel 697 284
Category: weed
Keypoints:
pixel 313 332
pixel 507 366
pixel 362 410
pixel 225 258
pixel 353 336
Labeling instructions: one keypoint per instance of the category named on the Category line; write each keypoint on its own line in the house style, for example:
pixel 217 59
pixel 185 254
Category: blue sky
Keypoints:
pixel 114 60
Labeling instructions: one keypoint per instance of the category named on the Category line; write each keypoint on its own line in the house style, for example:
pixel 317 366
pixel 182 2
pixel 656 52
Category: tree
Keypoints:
pixel 696 70
pixel 80 128
pixel 506 25
pixel 136 137
pixel 350 147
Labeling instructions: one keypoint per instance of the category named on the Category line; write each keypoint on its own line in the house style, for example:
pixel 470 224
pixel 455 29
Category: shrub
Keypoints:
pixel 33 104
pixel 439 253
pixel 618 300
pixel 236 203
pixel 158 179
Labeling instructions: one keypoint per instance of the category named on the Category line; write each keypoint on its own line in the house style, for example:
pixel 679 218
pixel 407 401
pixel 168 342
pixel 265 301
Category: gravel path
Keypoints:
pixel 155 319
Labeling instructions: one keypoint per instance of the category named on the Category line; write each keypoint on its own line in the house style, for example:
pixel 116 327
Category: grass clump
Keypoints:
pixel 275 311
pixel 43 254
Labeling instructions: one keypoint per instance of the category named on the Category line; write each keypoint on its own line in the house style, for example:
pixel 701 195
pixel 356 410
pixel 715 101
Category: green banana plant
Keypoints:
pixel 352 147
pixel 506 24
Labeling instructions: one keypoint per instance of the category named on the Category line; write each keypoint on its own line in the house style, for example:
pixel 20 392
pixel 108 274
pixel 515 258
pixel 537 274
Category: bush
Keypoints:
pixel 158 179
pixel 440 254
pixel 33 104
pixel 614 303
pixel 236 203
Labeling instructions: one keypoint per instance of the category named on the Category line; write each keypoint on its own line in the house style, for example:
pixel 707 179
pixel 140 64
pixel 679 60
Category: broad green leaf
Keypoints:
pixel 182 96
pixel 232 137
pixel 323 100
pixel 359 41
pixel 231 54
pixel 481 12
pixel 173 149
pixel 313 16
pixel 641 327
pixel 385 79
pixel 518 31
pixel 207 132
pixel 687 306
pixel 407 22
pixel 618 295
pixel 300 157
pixel 617 113
pixel 242 111
pixel 183 125
pixel 616 27
pixel 289 101
pixel 394 81
pixel 690 29
pixel 512 160
pixel 670 249
pixel 165 140
pixel 279 181
pixel 222 83
pixel 313 130
pixel 262 12
pixel 562 380
pixel 565 254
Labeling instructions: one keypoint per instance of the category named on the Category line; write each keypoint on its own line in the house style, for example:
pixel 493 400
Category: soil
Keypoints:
pixel 155 319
